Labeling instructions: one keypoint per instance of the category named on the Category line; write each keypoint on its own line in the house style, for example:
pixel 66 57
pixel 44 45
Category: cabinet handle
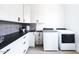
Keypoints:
pixel 39 34
pixel 24 51
pixel 6 51
pixel 24 42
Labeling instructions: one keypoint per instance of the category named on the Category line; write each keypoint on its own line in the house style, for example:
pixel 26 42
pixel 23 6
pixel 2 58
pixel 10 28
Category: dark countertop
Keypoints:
pixel 43 31
pixel 36 31
pixel 39 30
pixel 46 31
pixel 14 36
pixel 10 38
pixel 50 31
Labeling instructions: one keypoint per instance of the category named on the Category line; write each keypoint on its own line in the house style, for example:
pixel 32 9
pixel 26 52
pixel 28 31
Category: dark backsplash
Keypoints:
pixel 8 28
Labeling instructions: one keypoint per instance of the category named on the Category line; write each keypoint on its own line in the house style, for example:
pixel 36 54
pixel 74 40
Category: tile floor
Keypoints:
pixel 39 50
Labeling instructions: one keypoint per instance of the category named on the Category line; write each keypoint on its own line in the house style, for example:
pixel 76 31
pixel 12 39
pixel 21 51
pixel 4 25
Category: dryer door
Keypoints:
pixel 68 38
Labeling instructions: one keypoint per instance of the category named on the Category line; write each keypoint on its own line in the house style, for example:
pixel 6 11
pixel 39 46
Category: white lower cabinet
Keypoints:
pixel 6 49
pixel 20 46
pixel 38 38
pixel 32 39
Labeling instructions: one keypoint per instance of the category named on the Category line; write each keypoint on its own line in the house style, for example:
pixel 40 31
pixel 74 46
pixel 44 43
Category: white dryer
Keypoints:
pixel 66 40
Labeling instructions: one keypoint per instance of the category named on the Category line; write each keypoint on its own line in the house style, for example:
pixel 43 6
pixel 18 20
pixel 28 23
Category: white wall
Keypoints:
pixel 72 20
pixel 51 15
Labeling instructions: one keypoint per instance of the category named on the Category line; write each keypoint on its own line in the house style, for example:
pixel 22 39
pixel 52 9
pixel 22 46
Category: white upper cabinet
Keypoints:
pixel 11 12
pixel 26 13
pixel 37 13
pixel 15 12
pixel 3 12
pixel 50 15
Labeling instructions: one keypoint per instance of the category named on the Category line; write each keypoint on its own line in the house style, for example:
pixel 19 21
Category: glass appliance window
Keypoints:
pixel 68 38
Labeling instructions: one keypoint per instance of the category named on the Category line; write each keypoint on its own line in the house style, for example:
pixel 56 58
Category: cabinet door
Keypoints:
pixel 5 49
pixel 16 47
pixel 3 12
pixel 32 39
pixel 12 48
pixel 37 38
pixel 26 13
pixel 25 43
pixel 37 13
pixel 41 38
pixel 15 12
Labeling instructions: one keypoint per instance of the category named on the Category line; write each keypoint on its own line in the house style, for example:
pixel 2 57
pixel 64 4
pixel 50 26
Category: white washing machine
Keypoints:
pixel 66 40
pixel 50 40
